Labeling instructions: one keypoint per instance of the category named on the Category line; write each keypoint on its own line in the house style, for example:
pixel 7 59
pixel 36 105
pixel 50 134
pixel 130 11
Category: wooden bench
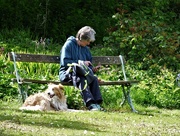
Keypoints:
pixel 103 60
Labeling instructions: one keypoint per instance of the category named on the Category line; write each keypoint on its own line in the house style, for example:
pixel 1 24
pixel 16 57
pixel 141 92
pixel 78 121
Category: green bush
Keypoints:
pixel 149 35
pixel 157 89
pixel 7 89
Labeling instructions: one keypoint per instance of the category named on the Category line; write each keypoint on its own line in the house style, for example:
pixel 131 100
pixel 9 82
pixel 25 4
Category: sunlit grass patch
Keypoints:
pixel 150 121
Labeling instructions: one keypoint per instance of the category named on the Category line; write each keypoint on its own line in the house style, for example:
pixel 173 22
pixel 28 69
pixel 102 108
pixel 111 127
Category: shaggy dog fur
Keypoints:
pixel 52 99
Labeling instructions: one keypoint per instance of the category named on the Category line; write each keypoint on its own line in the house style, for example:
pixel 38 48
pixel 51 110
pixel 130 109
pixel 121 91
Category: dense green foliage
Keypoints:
pixel 147 33
pixel 7 91
pixel 57 19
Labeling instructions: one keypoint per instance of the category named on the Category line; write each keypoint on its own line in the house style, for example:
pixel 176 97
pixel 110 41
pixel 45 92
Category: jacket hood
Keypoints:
pixel 72 38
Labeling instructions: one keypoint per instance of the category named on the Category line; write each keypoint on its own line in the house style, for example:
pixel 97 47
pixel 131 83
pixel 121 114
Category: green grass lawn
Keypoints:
pixel 150 122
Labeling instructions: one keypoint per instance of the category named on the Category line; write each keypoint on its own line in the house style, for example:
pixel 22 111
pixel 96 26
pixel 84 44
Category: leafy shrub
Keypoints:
pixel 7 90
pixel 74 98
pixel 149 41
pixel 147 35
pixel 157 89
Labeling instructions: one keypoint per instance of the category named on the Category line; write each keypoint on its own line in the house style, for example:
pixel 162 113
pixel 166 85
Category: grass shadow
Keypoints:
pixel 46 119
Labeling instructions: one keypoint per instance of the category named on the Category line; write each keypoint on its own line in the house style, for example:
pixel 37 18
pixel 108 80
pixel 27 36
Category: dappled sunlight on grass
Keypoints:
pixel 149 121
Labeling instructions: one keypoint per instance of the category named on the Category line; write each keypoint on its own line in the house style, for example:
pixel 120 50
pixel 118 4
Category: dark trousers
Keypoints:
pixel 92 94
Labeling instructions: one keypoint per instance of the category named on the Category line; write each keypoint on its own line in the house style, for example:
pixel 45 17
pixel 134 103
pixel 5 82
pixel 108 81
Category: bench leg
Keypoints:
pixel 123 97
pixel 22 92
pixel 127 98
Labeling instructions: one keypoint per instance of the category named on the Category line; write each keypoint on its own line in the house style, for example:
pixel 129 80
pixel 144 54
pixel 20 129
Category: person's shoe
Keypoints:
pixel 93 107
pixel 99 107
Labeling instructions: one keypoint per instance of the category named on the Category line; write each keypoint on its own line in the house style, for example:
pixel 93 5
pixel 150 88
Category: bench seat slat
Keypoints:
pixel 121 82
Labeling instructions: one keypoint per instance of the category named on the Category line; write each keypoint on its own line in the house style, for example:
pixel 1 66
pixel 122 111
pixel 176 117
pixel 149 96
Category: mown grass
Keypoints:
pixel 150 121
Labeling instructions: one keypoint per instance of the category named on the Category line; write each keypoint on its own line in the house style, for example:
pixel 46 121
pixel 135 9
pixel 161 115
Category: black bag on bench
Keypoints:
pixel 78 70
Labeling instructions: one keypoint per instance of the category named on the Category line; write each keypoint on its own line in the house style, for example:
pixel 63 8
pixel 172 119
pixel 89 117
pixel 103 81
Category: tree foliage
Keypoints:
pixel 57 19
pixel 147 32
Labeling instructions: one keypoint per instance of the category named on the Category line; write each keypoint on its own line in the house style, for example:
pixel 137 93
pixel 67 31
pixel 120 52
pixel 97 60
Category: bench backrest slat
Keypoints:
pixel 105 60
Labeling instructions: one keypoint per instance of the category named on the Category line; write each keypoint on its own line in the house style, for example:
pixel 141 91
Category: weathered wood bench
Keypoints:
pixel 103 60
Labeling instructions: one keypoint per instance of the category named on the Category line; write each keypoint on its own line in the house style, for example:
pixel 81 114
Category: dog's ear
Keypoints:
pixel 59 91
pixel 61 87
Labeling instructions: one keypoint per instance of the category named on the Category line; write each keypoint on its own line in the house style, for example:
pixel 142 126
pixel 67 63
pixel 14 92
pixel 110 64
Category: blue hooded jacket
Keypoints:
pixel 70 53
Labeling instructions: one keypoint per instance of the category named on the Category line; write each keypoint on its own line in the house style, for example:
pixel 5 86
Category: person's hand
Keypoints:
pixel 96 68
pixel 87 63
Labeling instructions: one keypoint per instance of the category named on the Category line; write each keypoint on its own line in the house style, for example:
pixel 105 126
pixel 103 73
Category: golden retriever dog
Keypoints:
pixel 52 98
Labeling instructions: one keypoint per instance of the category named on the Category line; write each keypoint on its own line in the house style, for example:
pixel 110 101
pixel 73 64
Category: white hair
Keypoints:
pixel 86 33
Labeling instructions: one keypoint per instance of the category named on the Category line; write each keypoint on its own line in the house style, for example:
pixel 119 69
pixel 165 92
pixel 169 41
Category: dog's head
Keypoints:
pixel 55 90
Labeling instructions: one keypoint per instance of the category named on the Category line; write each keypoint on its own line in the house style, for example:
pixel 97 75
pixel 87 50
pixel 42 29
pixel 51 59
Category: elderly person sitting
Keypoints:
pixel 74 50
